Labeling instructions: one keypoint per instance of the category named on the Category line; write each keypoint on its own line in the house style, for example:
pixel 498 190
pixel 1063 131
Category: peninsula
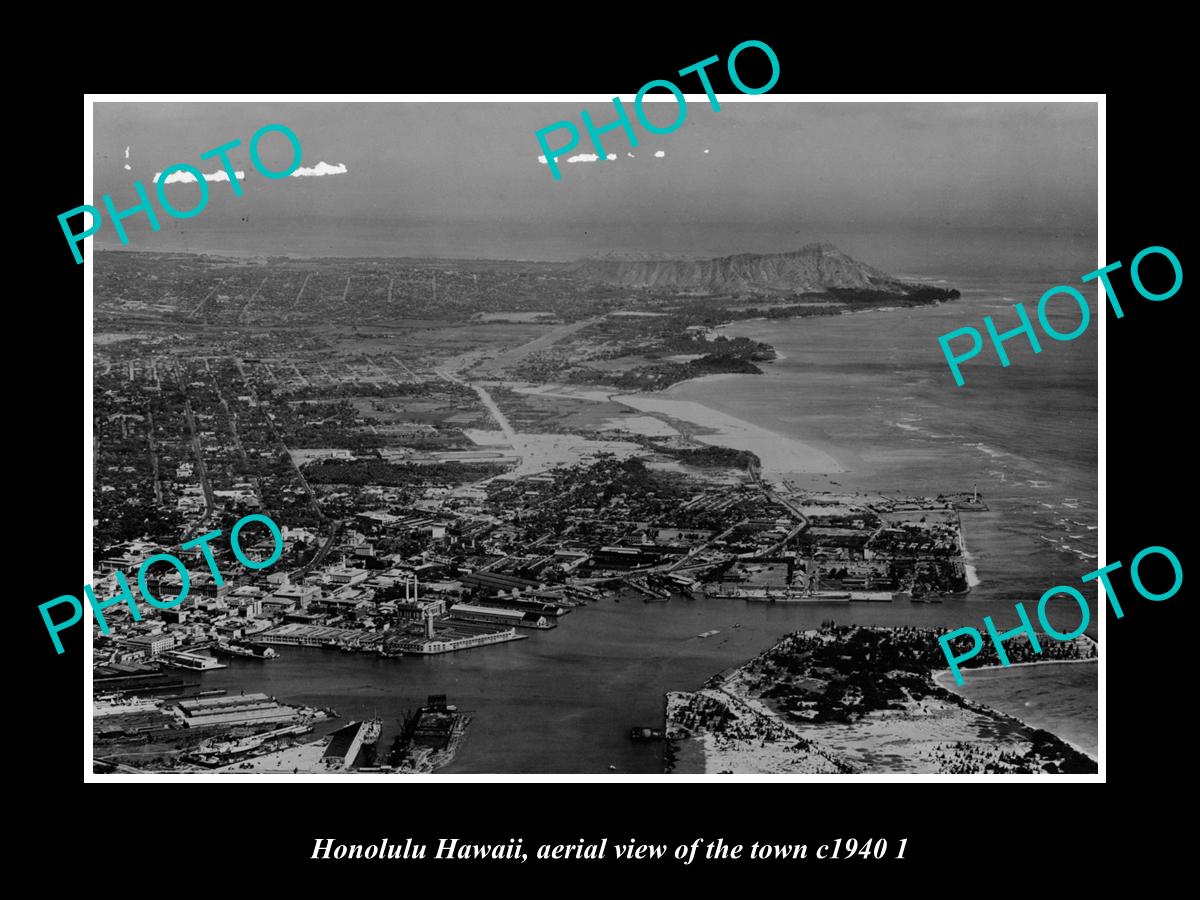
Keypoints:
pixel 851 699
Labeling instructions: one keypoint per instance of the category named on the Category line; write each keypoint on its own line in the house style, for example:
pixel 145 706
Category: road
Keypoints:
pixel 299 293
pixel 333 524
pixel 158 496
pixel 322 551
pixel 508 358
pixel 201 468
pixel 199 306
pixel 237 442
pixel 497 416
pixel 778 498
pixel 720 537
pixel 510 434
pixel 241 316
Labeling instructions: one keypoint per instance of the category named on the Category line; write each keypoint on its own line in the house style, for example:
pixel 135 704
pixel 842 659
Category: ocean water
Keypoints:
pixel 1062 698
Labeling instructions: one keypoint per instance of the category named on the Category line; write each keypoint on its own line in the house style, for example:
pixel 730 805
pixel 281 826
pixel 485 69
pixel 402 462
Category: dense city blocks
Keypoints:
pixel 453 463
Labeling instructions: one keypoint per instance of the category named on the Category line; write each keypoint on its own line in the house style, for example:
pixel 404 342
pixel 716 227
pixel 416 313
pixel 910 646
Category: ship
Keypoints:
pixel 371 730
pixel 249 651
pixel 112 705
pixel 642 733
pixel 652 593
pixel 430 737
pixel 688 587
pixel 182 659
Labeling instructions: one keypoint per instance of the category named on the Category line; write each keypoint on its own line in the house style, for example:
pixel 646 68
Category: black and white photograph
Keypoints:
pixel 426 448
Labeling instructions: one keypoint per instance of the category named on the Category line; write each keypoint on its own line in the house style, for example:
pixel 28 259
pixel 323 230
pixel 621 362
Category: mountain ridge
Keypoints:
pixel 817 266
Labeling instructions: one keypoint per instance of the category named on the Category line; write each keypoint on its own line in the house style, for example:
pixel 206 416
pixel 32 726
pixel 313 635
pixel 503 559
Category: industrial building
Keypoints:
pixel 498 615
pixel 245 709
pixel 151 644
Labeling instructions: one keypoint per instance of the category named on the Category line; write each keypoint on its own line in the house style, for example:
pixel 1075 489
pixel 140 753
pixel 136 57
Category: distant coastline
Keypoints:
pixel 944 680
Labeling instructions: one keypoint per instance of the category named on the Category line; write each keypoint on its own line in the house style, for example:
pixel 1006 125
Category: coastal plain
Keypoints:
pixel 421 420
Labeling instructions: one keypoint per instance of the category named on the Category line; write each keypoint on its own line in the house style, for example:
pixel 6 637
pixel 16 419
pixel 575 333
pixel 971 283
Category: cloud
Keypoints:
pixel 579 157
pixel 321 168
pixel 659 154
pixel 188 178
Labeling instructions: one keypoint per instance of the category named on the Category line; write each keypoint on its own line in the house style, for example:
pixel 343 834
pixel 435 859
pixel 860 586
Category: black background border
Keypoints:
pixel 954 829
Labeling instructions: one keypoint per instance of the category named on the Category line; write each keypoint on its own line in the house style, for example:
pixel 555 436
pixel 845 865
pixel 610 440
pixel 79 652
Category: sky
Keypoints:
pixel 463 179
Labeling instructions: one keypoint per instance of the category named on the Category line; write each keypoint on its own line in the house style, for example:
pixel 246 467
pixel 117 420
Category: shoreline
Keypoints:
pixel 713 757
pixel 937 676
pixel 973 580
pixel 777 453
pixel 1021 665
pixel 794 457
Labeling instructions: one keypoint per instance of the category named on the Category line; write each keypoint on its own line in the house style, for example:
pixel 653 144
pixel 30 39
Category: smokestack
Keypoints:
pixel 429 624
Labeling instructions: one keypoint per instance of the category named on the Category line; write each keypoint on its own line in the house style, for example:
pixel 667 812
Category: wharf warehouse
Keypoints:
pixel 494 615
pixel 495 583
pixel 246 709
pixel 344 746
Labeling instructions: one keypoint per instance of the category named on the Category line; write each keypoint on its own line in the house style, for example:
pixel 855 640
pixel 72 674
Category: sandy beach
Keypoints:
pixel 562 391
pixel 968 561
pixel 948 682
pixel 649 426
pixel 779 454
pixel 927 736
pixel 1037 712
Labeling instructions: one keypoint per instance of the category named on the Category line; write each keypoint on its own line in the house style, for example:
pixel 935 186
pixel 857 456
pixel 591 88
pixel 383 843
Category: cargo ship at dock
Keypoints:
pixel 247 651
pixel 690 588
pixel 652 593
pixel 430 737
pixel 640 733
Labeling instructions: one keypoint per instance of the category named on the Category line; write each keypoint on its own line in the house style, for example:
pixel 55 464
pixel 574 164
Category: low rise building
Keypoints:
pixel 518 618
pixel 151 644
